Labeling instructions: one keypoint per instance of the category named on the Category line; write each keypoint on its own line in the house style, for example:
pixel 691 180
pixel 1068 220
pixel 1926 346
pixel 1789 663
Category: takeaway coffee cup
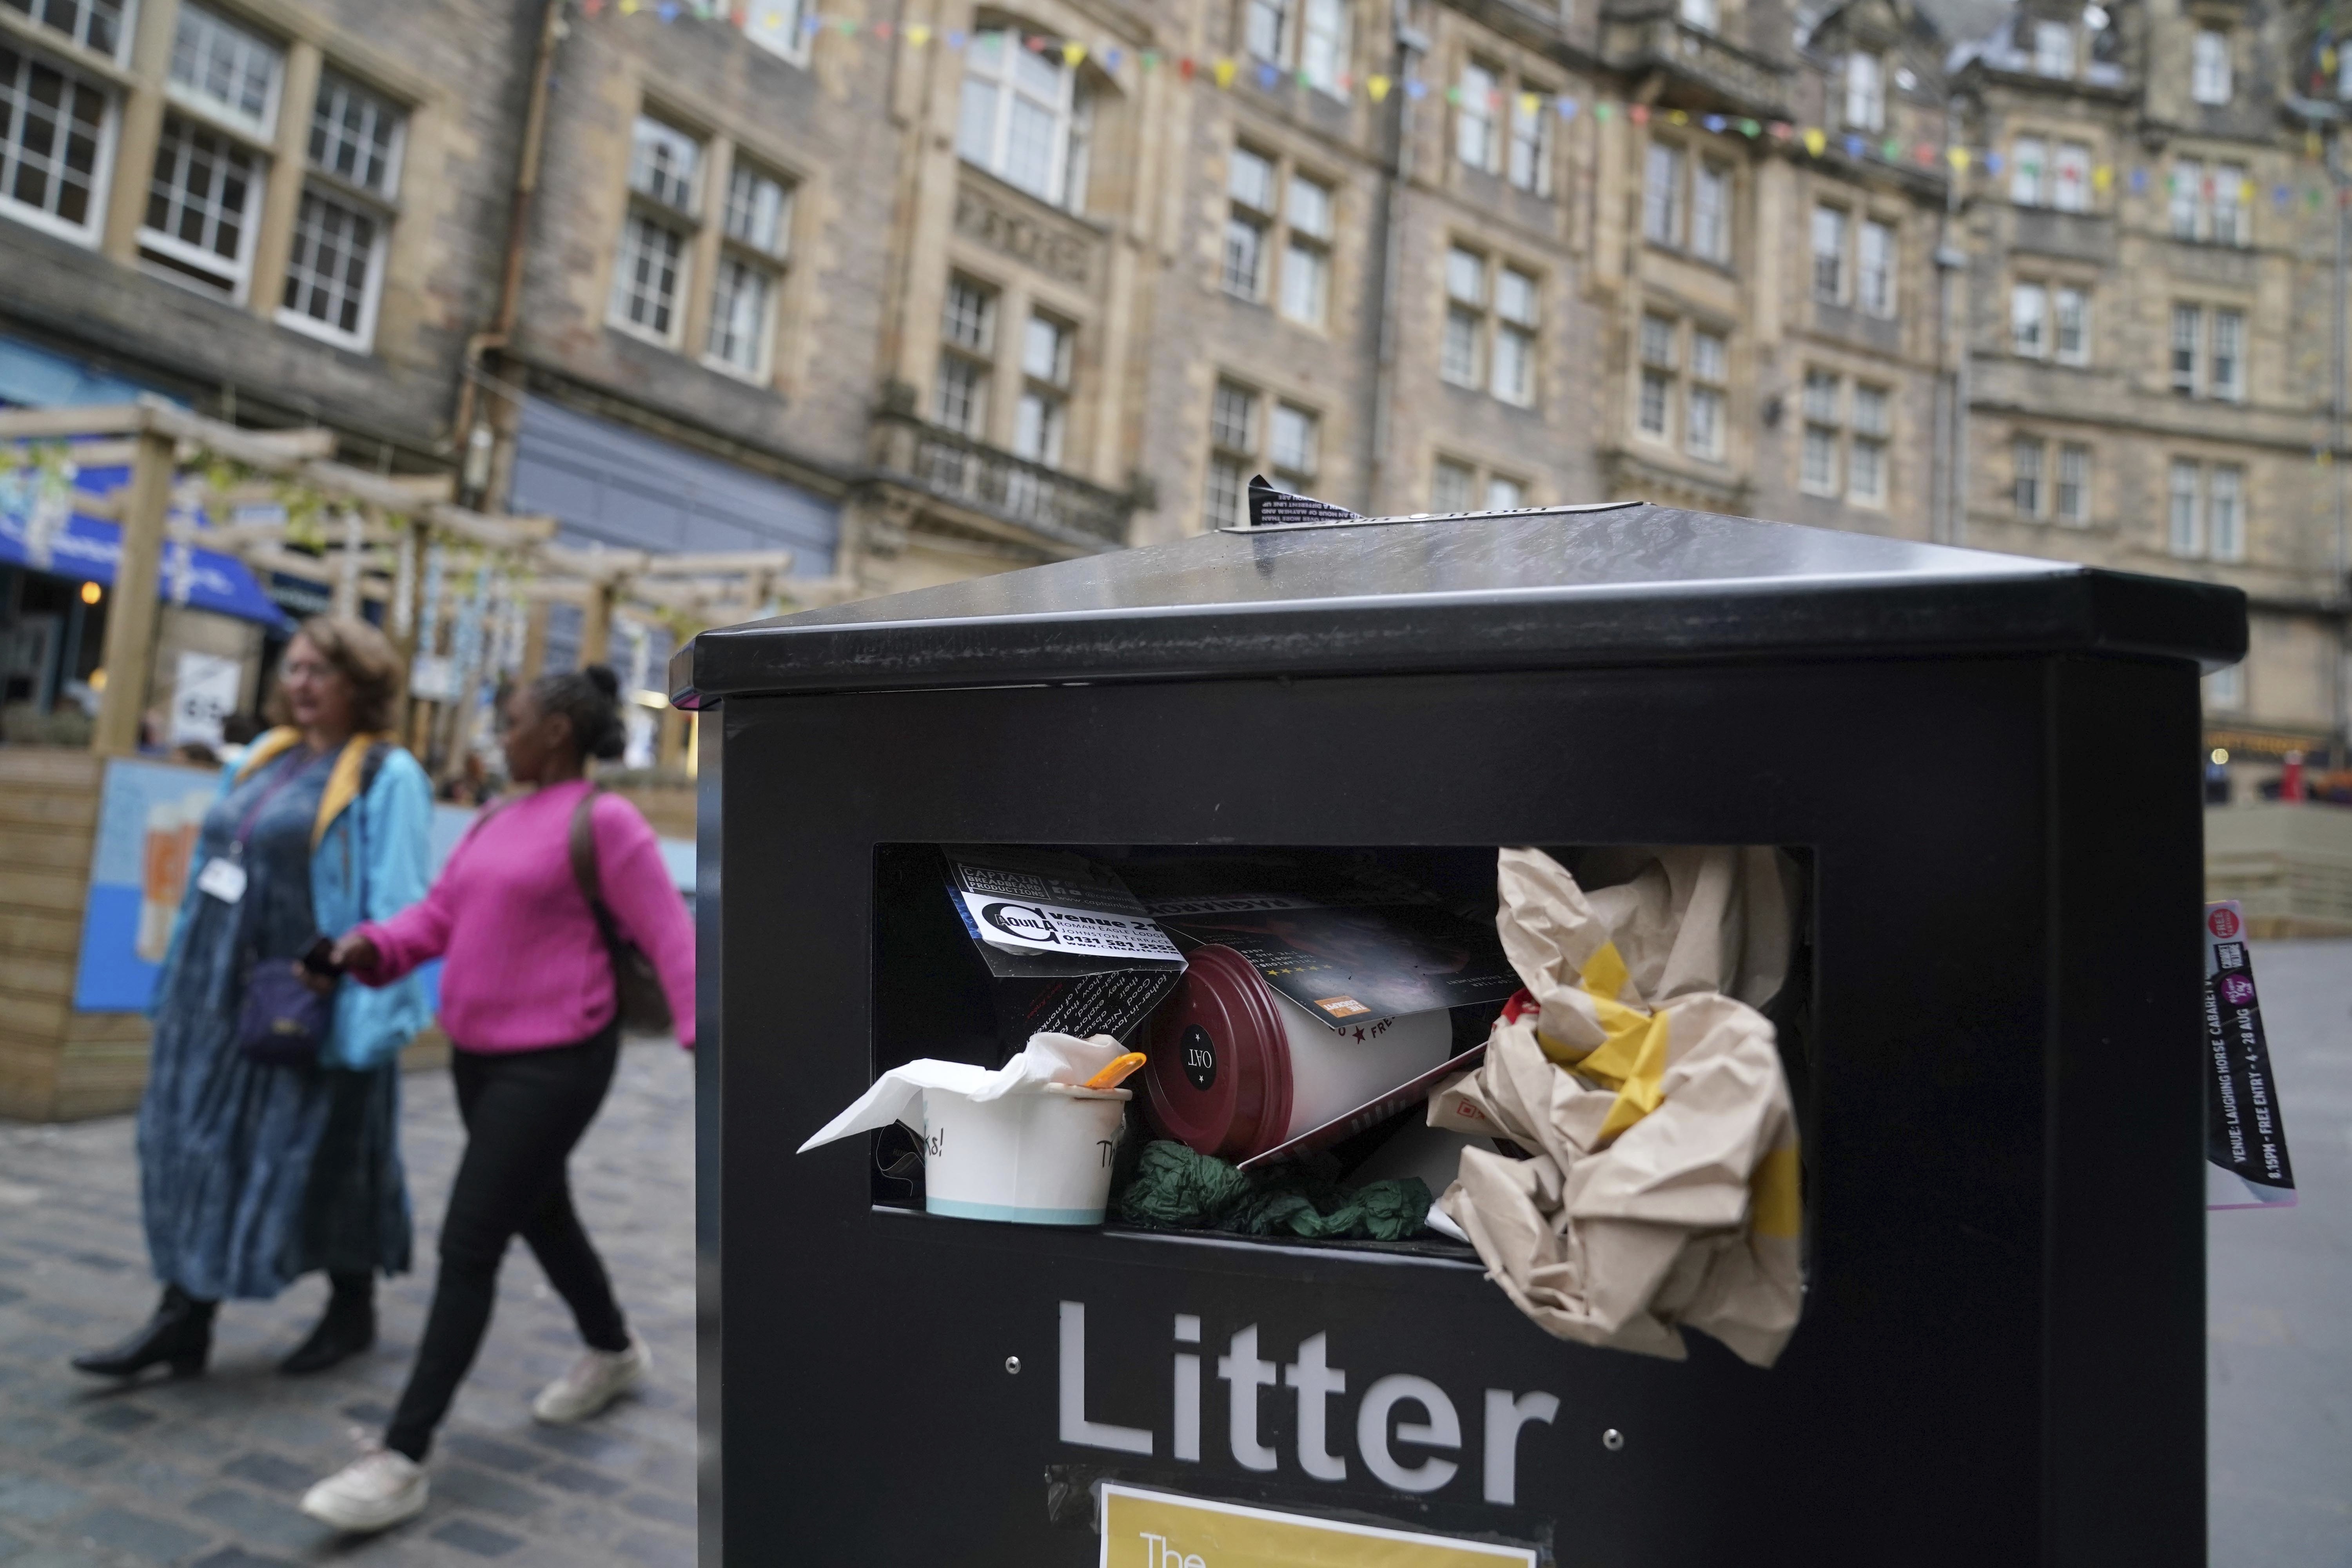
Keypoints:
pixel 1040 1158
pixel 1237 1068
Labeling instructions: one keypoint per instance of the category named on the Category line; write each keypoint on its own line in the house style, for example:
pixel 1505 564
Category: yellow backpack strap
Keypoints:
pixel 343 785
pixel 264 747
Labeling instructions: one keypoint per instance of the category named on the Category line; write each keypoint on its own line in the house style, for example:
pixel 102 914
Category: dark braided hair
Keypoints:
pixel 591 699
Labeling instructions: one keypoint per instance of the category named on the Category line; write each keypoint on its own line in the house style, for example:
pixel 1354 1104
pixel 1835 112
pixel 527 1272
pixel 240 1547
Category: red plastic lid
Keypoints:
pixel 1218 1080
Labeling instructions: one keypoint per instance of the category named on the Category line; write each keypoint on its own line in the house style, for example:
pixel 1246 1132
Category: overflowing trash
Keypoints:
pixel 1173 1188
pixel 1660 1187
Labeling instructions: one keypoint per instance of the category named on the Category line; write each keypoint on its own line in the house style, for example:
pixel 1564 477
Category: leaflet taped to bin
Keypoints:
pixel 2246 1138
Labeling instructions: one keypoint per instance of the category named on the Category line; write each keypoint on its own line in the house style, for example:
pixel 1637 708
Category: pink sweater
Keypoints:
pixel 526 967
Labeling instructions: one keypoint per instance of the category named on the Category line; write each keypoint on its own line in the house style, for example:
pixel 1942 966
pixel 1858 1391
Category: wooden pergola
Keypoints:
pixel 383 526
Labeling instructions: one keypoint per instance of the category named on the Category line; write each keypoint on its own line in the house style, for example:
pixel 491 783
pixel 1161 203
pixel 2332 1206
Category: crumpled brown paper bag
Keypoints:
pixel 1663 1190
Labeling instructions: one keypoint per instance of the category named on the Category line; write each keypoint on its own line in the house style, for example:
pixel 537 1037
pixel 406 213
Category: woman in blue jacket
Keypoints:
pixel 254 1172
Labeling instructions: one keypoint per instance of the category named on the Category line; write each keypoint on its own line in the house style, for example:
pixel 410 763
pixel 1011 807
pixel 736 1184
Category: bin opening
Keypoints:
pixel 1299 1007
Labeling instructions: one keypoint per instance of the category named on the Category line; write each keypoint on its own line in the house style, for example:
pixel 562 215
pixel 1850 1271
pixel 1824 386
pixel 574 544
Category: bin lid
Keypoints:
pixel 1537 588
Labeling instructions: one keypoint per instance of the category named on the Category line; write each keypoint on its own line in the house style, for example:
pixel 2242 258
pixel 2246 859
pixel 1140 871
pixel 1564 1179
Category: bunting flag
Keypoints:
pixel 765 19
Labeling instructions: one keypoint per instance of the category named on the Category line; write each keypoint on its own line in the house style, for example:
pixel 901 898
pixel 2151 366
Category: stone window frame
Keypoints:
pixel 1049 389
pixel 2048 292
pixel 2190 531
pixel 1071 109
pixel 1832 420
pixel 90 231
pixel 1670 377
pixel 2210 201
pixel 1279 231
pixel 1864 91
pixel 2051 466
pixel 745 252
pixel 327 187
pixel 1507 125
pixel 1236 453
pixel 2208 323
pixel 1491 320
pixel 1670 218
pixel 2212 69
pixel 1313 41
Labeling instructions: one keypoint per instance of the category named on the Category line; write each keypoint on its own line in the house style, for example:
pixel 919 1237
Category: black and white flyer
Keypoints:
pixel 2245 1140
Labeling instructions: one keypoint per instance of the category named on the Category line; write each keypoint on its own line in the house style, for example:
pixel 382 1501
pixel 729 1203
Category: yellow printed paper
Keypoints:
pixel 1159 1530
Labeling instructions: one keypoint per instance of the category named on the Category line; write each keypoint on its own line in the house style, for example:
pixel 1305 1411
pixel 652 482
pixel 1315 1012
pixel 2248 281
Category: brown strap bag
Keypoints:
pixel 637 995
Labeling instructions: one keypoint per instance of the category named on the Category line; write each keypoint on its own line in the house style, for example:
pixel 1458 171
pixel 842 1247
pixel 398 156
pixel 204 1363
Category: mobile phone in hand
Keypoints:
pixel 319 959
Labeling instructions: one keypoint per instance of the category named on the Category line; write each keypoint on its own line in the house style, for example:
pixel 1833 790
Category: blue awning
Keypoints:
pixel 89 548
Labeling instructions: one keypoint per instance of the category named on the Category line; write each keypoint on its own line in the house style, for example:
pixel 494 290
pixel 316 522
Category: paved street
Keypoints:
pixel 206 1471
pixel 2279 1313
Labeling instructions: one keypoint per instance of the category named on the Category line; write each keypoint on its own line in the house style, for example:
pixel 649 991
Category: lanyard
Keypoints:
pixel 253 813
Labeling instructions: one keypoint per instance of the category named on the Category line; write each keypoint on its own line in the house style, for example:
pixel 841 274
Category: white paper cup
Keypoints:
pixel 1336 1067
pixel 1026 1159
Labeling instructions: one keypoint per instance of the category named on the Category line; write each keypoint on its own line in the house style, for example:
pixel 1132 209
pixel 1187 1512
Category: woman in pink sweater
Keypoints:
pixel 527 999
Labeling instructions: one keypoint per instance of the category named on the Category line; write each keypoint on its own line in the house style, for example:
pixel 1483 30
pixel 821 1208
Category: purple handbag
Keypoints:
pixel 283 1022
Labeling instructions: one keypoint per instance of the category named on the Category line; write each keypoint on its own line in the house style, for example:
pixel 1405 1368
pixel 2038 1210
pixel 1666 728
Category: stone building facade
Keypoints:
pixel 923 289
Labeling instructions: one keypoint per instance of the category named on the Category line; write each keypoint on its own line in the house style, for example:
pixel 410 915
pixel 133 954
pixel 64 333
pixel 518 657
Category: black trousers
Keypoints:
pixel 523 1112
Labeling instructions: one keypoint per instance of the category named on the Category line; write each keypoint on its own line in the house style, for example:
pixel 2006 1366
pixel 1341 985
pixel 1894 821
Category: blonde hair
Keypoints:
pixel 364 657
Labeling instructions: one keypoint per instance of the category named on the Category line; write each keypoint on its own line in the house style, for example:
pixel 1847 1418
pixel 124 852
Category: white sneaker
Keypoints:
pixel 375 1491
pixel 595 1380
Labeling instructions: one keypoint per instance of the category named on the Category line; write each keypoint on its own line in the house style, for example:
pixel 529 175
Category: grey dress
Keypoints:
pixel 252 1175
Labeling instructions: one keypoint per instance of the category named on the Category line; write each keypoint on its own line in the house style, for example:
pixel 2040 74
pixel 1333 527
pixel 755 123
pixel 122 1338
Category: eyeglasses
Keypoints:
pixel 307 669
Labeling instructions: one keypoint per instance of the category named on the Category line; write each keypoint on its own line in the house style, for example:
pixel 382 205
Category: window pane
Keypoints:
pixel 1657 394
pixel 1705 421
pixel 1046 350
pixel 2074 484
pixel 1822 397
pixel 1867 478
pixel 1662 188
pixel 2185 203
pixel 756 205
pixel 1819 472
pixel 2073 327
pixel 2072 192
pixel 1709 358
pixel 1531 122
pixel 1699 14
pixel 354 134
pixel 1294 433
pixel 2186 533
pixel 2232 211
pixel 330 270
pixel 1458 356
pixel 1306 283
pixel 1504 495
pixel 968 320
pixel 1878 269
pixel 1515 365
pixel 198 205
pixel 2029 160
pixel 1244 264
pixel 1711 212
pixel 646 274
pixel 1658 342
pixel 97 24
pixel 2229 353
pixel 1866 93
pixel 50 126
pixel 1226 499
pixel 1323 53
pixel 2209 72
pixel 1268 30
pixel 1515 297
pixel 1038 421
pixel 1233 418
pixel 1870 410
pixel 2028 326
pixel 962 395
pixel 2025 459
pixel 1466 276
pixel 1829 255
pixel 1249 179
pixel 2053 48
pixel 228 70
pixel 2225 512
pixel 739 315
pixel 2187 326
pixel 665 163
pixel 1474 135
pixel 1311 207
pixel 1452 487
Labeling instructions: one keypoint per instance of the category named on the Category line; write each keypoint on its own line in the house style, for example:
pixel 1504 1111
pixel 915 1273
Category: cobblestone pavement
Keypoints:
pixel 206 1471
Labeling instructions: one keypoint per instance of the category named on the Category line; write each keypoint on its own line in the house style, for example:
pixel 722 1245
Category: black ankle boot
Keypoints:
pixel 347 1328
pixel 180 1333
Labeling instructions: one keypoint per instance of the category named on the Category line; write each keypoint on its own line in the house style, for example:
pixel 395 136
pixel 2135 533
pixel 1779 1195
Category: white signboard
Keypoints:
pixel 204 693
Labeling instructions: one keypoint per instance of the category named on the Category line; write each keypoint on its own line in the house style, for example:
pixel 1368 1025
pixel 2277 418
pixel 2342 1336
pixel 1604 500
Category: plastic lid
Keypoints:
pixel 1218 1076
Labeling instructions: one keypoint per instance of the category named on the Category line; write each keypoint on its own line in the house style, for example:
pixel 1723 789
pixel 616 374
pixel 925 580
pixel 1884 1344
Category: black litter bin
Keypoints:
pixel 1989 769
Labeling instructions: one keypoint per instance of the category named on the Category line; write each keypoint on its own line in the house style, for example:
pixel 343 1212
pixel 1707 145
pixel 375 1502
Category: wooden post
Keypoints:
pixel 596 625
pixel 131 620
pixel 534 642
